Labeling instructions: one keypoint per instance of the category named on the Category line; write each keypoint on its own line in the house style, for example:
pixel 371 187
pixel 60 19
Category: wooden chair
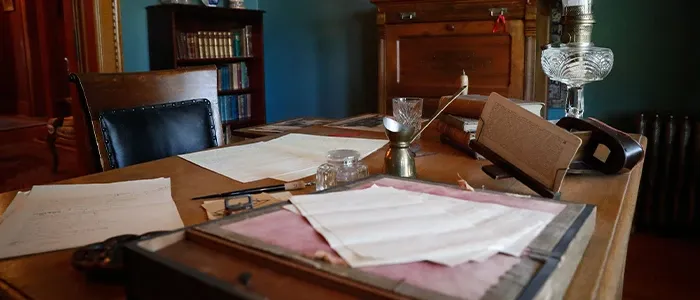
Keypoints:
pixel 137 117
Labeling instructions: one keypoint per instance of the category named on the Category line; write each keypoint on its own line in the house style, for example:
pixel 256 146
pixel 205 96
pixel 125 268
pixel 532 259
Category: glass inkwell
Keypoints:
pixel 342 166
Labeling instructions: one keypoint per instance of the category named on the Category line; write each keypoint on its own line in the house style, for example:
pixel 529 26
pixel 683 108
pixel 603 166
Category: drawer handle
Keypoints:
pixel 450 27
pixel 498 11
pixel 407 15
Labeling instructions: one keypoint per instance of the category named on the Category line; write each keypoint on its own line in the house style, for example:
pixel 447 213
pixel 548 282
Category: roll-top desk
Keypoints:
pixel 425 44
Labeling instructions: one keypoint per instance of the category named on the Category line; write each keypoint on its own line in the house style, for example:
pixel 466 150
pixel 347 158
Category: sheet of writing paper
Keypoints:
pixel 19 201
pixel 57 217
pixel 541 149
pixel 287 158
pixel 384 225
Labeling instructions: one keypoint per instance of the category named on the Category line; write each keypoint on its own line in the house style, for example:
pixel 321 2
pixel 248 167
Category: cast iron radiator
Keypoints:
pixel 669 193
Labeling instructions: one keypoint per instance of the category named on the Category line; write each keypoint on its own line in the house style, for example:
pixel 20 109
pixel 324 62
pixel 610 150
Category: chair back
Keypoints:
pixel 142 116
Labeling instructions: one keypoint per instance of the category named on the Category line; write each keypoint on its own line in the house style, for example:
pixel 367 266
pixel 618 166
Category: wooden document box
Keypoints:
pixel 263 254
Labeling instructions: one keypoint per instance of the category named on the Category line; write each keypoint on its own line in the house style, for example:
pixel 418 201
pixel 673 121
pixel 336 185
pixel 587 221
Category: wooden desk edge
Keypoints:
pixel 614 267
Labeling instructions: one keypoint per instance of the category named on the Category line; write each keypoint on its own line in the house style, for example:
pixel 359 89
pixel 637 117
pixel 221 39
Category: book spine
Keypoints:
pixel 244 71
pixel 463 107
pixel 248 39
pixel 456 138
pixel 237 44
pixel 250 111
pixel 451 121
pixel 200 44
pixel 229 44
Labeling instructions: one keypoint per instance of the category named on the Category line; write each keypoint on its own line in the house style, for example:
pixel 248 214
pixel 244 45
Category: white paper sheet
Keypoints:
pixel 19 201
pixel 287 158
pixel 56 217
pixel 381 225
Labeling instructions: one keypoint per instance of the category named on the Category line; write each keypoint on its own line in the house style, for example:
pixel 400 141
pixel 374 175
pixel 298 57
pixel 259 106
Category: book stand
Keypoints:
pixel 501 169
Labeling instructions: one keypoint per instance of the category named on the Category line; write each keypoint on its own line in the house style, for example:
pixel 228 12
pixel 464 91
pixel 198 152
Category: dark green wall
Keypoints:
pixel 320 55
pixel 653 56
pixel 320 58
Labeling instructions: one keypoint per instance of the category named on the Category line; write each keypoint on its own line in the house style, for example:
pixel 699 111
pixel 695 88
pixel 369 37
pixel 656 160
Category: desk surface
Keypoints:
pixel 254 132
pixel 600 274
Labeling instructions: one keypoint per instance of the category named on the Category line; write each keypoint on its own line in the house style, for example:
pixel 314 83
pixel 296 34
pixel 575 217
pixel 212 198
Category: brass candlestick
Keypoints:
pixel 399 161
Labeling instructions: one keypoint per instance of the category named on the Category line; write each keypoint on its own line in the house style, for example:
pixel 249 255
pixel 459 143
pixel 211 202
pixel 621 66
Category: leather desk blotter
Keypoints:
pixel 270 253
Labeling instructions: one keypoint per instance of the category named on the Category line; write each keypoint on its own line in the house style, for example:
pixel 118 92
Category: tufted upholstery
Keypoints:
pixel 153 132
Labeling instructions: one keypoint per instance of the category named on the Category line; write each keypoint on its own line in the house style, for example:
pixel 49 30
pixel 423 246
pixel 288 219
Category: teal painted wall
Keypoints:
pixel 652 70
pixel 320 58
pixel 135 32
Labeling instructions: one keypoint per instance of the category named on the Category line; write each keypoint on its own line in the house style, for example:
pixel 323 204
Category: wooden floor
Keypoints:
pixel 657 268
pixel 661 268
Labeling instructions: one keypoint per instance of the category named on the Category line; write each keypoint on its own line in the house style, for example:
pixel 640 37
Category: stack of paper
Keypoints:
pixel 383 225
pixel 56 217
pixel 288 158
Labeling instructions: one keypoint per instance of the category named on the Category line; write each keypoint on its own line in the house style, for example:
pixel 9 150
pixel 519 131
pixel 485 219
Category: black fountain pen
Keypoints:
pixel 290 186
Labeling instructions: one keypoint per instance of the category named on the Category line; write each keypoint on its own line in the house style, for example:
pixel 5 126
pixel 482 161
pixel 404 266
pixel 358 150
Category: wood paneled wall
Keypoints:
pixel 16 92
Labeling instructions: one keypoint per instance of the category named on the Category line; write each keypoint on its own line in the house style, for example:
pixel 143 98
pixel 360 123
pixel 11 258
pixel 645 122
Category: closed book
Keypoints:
pixel 470 106
pixel 457 138
pixel 465 124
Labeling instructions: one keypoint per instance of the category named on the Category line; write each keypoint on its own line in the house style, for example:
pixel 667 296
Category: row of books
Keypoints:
pixel 235 107
pixel 215 44
pixel 233 77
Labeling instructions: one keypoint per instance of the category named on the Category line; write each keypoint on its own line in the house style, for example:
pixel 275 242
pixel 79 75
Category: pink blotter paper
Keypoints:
pixel 467 281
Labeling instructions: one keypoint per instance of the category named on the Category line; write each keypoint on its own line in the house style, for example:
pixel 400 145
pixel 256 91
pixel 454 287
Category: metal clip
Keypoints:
pixel 498 11
pixel 407 15
pixel 232 209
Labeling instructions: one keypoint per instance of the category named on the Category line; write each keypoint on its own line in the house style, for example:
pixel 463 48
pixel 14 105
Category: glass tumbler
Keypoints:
pixel 342 166
pixel 408 111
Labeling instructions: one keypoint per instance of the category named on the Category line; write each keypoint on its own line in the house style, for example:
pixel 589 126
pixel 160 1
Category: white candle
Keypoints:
pixel 464 79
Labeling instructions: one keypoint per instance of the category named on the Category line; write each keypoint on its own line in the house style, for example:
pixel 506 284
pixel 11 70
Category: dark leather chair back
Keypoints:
pixel 138 117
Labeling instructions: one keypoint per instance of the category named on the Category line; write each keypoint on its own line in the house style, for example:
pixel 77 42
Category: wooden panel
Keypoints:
pixel 9 84
pixel 440 11
pixel 108 35
pixel 23 63
pixel 426 60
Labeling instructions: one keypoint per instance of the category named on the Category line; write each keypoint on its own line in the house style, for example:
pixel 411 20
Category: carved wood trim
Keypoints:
pixel 382 73
pixel 517 66
pixel 108 35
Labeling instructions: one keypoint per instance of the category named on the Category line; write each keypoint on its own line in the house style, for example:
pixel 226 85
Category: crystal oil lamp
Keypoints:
pixel 576 61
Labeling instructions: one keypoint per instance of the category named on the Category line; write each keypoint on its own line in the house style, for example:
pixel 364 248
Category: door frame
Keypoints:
pixel 98 49
pixel 108 35
pixel 99 41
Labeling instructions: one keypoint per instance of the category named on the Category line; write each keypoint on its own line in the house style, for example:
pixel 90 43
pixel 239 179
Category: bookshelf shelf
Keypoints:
pixel 232 39
pixel 236 124
pixel 211 61
pixel 237 92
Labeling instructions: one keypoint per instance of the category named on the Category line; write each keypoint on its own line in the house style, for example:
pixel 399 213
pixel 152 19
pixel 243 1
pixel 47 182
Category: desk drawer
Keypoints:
pixel 421 12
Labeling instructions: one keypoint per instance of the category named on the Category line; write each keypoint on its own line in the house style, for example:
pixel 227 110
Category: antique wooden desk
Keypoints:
pixel 600 274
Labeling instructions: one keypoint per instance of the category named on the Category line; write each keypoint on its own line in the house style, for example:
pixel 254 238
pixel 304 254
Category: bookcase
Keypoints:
pixel 232 39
